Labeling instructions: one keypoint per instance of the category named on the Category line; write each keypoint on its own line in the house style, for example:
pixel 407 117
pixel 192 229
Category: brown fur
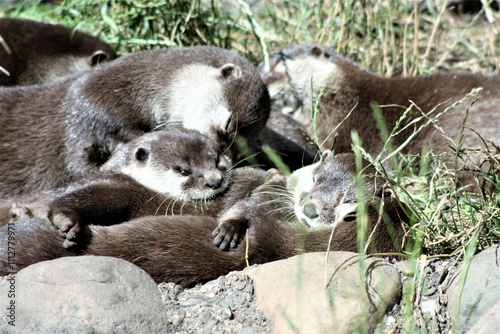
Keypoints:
pixel 351 87
pixel 35 52
pixel 61 131
pixel 164 245
pixel 165 248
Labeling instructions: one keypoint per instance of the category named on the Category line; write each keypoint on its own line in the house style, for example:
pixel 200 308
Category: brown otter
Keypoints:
pixel 176 171
pixel 348 86
pixel 35 52
pixel 325 193
pixel 61 131
pixel 165 248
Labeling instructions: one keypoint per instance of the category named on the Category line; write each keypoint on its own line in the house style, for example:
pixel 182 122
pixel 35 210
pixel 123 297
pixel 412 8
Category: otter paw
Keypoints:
pixel 226 235
pixel 69 228
pixel 18 212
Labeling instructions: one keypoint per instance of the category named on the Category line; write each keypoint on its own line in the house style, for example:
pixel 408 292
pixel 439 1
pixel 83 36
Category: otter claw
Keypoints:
pixel 69 228
pixel 63 223
pixel 226 236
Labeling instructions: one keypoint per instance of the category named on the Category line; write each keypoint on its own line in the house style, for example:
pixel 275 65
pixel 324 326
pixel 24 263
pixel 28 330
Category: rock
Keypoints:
pixel 86 294
pixel 489 322
pixel 301 294
pixel 469 300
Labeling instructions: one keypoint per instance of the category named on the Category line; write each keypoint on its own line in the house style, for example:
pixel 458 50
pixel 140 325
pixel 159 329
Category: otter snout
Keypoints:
pixel 215 184
pixel 214 181
pixel 311 211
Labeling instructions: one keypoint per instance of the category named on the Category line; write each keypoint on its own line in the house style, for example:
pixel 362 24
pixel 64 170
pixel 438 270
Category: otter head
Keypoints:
pixel 327 192
pixel 219 101
pixel 175 162
pixel 297 76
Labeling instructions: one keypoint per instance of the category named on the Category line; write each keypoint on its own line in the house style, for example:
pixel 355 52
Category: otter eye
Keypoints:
pixel 350 217
pixel 182 171
pixel 141 154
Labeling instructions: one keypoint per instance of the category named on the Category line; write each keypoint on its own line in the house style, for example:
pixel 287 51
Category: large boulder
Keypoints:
pixel 474 289
pixel 84 294
pixel 311 293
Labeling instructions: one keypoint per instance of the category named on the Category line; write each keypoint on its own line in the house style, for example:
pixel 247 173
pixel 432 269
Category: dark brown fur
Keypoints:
pixel 252 200
pixel 165 248
pixel 35 52
pixel 59 132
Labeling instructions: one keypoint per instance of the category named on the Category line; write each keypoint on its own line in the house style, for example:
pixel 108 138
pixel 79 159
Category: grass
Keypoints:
pixel 388 37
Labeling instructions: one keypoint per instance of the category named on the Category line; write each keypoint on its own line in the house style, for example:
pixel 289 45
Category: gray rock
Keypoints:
pixel 470 298
pixel 488 323
pixel 309 294
pixel 86 294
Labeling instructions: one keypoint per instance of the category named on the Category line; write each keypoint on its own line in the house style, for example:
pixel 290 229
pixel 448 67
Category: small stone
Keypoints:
pixel 177 319
pixel 408 268
pixel 429 307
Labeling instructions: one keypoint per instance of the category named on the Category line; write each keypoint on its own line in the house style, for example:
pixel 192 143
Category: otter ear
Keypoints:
pixel 316 51
pixel 230 71
pixel 326 154
pixel 98 57
pixel 141 154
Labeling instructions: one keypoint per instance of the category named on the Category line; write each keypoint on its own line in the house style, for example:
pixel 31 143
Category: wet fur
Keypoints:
pixel 35 52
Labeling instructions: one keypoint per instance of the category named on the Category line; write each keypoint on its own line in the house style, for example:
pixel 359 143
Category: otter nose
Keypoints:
pixel 215 183
pixel 310 210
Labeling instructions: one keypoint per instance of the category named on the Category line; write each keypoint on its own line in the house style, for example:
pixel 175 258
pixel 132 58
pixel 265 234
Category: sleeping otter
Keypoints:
pixel 62 131
pixel 325 193
pixel 348 86
pixel 35 52
pixel 165 248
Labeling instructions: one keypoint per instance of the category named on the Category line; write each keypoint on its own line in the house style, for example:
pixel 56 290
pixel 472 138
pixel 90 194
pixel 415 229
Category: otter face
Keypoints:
pixel 178 163
pixel 325 193
pixel 297 75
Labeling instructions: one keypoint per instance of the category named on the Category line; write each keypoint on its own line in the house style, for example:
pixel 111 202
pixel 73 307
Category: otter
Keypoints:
pixel 62 131
pixel 33 52
pixel 325 193
pixel 165 248
pixel 348 86
pixel 157 172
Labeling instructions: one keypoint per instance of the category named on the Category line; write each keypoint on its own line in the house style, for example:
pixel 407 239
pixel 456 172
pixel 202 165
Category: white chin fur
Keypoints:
pixel 300 184
pixel 168 183
pixel 205 194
